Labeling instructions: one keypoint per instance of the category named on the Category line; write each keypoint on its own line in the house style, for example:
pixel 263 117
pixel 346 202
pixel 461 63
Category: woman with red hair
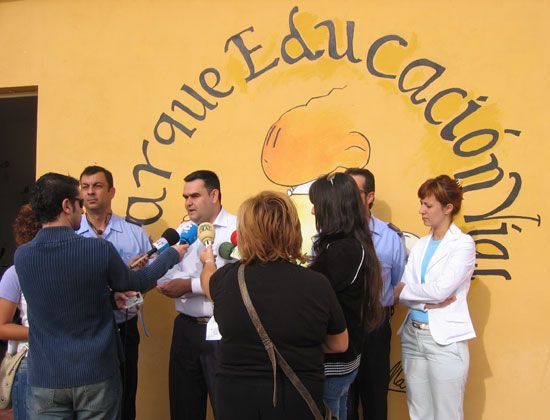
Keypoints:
pixel 434 346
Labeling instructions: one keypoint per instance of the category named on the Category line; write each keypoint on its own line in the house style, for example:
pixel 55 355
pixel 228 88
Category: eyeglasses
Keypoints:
pixel 80 202
pixel 330 178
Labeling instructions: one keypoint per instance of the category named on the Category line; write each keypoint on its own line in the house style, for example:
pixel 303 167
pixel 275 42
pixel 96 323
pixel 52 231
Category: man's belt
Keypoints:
pixel 202 320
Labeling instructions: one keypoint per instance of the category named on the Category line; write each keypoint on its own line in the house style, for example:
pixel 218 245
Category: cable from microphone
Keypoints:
pixel 206 233
pixel 188 233
pixel 169 237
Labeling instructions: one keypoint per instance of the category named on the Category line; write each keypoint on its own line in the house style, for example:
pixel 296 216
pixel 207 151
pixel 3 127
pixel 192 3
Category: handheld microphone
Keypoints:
pixel 225 250
pixel 234 238
pixel 229 252
pixel 188 233
pixel 206 233
pixel 169 237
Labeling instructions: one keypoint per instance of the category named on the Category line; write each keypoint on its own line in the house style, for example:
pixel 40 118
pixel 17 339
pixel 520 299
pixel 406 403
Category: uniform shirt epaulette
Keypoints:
pixel 395 229
pixel 133 221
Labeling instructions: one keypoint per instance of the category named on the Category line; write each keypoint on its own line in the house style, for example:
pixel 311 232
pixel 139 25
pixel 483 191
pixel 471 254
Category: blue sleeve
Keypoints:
pixel 398 263
pixel 9 286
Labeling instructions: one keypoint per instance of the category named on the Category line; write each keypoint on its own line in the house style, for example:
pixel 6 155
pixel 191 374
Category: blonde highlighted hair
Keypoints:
pixel 269 229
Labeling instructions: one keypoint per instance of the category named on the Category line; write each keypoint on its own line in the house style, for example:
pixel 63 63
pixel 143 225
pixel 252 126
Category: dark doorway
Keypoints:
pixel 18 108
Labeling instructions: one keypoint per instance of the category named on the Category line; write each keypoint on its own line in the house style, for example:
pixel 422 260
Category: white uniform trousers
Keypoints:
pixel 435 375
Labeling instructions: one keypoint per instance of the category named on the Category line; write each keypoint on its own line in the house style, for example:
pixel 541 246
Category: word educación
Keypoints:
pixel 168 125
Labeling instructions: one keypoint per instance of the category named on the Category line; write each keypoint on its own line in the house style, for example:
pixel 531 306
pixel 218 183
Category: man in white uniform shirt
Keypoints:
pixel 193 359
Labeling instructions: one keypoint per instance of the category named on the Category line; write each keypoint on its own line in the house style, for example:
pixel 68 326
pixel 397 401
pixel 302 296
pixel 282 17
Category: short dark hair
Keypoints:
pixel 94 169
pixel 210 179
pixel 367 176
pixel 48 194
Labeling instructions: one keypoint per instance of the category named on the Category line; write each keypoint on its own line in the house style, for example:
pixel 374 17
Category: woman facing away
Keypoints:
pixel 25 228
pixel 345 254
pixel 434 347
pixel 297 307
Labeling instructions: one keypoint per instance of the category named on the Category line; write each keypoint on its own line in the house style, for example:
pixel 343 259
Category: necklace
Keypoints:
pixel 99 232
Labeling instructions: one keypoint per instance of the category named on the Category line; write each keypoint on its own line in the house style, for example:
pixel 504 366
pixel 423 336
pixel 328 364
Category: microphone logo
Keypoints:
pixel 206 233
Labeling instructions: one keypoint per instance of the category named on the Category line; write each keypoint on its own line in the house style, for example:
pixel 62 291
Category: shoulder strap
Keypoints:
pixel 360 263
pixel 273 353
pixel 266 341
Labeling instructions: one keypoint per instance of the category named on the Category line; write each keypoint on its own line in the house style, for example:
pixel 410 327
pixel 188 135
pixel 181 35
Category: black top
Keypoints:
pixel 297 307
pixel 340 262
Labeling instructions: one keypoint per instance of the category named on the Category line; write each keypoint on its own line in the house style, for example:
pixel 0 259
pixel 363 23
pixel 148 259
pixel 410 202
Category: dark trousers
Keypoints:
pixel 251 398
pixel 129 335
pixel 192 369
pixel 371 383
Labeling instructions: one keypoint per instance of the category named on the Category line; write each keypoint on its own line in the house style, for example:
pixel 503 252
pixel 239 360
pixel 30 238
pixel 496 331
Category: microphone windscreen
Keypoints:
pixel 235 254
pixel 225 250
pixel 188 233
pixel 171 235
pixel 234 238
pixel 206 233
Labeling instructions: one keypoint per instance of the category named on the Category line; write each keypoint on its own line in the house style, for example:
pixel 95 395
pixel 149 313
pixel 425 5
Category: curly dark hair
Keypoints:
pixel 25 226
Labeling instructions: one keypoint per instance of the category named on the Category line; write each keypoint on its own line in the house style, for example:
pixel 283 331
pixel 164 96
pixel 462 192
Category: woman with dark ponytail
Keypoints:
pixel 345 254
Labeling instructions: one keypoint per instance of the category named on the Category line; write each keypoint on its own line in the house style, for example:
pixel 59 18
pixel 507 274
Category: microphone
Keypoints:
pixel 234 238
pixel 169 237
pixel 206 233
pixel 225 250
pixel 228 251
pixel 188 233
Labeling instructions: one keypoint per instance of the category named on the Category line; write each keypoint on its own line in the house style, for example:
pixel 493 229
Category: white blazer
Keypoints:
pixel 448 274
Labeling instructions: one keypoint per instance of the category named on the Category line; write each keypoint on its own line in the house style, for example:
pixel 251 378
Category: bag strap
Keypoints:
pixel 273 353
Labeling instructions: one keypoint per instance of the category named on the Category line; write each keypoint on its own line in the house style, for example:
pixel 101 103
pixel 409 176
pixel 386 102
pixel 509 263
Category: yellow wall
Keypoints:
pixel 107 71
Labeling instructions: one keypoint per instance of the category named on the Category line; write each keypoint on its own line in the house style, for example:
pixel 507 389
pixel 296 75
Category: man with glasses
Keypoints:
pixel 130 241
pixel 73 368
pixel 371 383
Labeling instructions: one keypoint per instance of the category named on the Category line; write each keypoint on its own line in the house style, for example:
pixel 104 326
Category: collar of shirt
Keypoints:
pixel 114 224
pixel 222 219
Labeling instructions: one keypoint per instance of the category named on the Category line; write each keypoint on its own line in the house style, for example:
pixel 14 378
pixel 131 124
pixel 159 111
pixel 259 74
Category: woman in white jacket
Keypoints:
pixel 435 284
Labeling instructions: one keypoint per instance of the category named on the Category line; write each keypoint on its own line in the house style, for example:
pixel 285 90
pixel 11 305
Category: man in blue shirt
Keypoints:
pixel 130 240
pixel 371 384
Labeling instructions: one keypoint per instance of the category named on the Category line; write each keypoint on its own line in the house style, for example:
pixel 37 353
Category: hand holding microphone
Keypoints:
pixel 207 256
pixel 181 248
pixel 206 235
pixel 169 237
